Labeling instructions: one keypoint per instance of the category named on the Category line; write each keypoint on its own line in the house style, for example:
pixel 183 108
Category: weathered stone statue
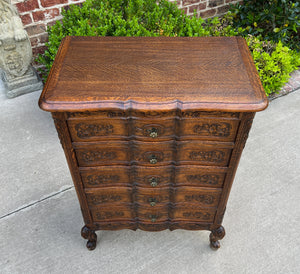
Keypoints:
pixel 18 75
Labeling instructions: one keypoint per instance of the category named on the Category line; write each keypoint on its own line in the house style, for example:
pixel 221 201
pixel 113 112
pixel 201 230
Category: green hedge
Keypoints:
pixel 160 18
pixel 276 20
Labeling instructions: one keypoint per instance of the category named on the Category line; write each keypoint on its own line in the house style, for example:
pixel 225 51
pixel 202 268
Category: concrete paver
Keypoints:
pixel 32 161
pixel 261 221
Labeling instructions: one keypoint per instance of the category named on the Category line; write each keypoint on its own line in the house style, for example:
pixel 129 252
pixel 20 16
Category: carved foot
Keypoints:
pixel 216 235
pixel 91 236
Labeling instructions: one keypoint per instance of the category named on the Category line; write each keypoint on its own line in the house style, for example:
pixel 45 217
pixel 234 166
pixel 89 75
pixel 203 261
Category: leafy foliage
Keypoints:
pixel 163 18
pixel 128 18
pixel 274 62
pixel 276 20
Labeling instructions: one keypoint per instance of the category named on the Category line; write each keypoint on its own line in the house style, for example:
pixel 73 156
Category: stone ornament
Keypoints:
pixel 18 75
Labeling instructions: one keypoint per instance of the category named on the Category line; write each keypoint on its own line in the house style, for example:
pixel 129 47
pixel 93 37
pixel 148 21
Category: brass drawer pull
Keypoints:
pixel 153 181
pixel 152 201
pixel 153 132
pixel 153 159
pixel 153 218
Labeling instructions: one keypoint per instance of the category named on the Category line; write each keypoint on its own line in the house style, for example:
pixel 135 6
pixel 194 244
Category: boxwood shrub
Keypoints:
pixel 161 18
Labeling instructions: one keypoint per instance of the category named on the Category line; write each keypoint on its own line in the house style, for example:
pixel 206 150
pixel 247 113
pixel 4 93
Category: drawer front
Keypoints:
pixel 153 130
pixel 103 153
pixel 109 195
pixel 152 215
pixel 112 213
pixel 201 153
pixel 105 176
pixel 97 129
pixel 197 195
pixel 153 177
pixel 153 154
pixel 209 129
pixel 114 152
pixel 200 176
pixel 152 197
pixel 193 214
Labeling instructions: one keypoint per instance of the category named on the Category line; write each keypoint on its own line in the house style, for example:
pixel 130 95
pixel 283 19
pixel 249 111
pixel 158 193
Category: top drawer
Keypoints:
pixel 163 129
pixel 96 128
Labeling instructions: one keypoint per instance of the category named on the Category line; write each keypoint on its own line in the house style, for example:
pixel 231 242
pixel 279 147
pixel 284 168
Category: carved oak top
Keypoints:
pixel 162 73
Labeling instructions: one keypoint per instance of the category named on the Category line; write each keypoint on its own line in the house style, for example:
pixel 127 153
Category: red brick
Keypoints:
pixel 202 6
pixel 38 50
pixel 185 10
pixel 34 41
pixel 189 2
pixel 50 24
pixel 26 19
pixel 215 3
pixel 197 7
pixel 27 5
pixel 50 3
pixel 208 13
pixel 44 38
pixel 192 9
pixel 223 9
pixel 45 15
pixel 34 30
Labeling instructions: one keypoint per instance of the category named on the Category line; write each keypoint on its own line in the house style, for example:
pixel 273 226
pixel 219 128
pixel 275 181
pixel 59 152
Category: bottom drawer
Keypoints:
pixel 110 213
pixel 198 214
pixel 152 215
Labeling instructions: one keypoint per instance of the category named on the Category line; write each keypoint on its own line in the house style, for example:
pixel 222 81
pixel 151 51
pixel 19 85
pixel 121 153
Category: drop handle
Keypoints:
pixel 153 218
pixel 153 159
pixel 153 181
pixel 153 132
pixel 152 201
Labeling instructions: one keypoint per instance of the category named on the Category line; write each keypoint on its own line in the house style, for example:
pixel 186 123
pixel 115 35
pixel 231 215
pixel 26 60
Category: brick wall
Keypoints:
pixel 37 15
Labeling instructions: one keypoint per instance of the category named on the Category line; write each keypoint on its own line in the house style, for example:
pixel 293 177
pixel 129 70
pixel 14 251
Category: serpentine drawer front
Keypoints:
pixel 153 128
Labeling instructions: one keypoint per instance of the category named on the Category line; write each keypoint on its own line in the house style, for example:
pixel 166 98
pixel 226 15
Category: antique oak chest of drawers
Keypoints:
pixel 153 128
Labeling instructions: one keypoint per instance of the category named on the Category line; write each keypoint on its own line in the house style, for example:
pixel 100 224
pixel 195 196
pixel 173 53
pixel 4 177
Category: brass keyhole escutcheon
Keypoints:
pixel 153 181
pixel 153 218
pixel 153 132
pixel 152 201
pixel 153 159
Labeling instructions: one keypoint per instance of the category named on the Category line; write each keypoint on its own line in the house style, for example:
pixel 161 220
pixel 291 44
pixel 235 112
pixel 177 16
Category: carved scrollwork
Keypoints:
pixel 113 114
pixel 246 127
pixel 104 198
pixel 197 215
pixel 215 129
pixel 214 156
pixel 60 127
pixel 196 114
pixel 91 156
pixel 205 179
pixel 89 130
pixel 153 113
pixel 104 215
pixel 95 180
pixel 202 198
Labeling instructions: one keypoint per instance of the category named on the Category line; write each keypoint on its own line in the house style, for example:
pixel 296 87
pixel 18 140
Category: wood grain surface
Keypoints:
pixel 153 128
pixel 211 73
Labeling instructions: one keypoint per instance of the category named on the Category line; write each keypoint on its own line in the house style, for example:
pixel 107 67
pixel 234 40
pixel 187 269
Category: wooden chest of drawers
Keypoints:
pixel 153 128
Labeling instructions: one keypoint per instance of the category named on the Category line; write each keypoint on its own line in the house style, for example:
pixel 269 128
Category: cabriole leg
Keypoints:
pixel 216 235
pixel 91 236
